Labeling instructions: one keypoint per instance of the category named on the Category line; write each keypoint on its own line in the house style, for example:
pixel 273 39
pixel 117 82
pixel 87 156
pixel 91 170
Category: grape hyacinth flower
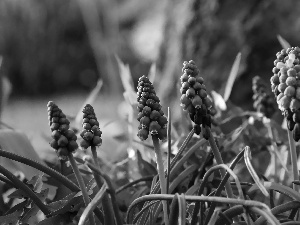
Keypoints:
pixel 263 102
pixel 64 139
pixel 91 132
pixel 194 98
pixel 286 87
pixel 153 121
pixel 151 117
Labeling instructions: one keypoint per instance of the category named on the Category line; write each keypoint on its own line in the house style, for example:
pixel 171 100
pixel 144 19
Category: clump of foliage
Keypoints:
pixel 202 181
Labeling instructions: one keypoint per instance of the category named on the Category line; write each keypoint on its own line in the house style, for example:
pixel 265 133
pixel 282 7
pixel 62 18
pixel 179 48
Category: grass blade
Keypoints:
pixel 127 81
pixel 178 210
pixel 247 157
pixel 279 188
pixel 92 205
pixel 284 44
pixel 152 73
pixel 89 100
pixel 267 214
pixel 18 143
pixel 232 76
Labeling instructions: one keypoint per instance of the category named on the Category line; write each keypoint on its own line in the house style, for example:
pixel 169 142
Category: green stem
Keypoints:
pixel 80 181
pixel 92 205
pixel 25 189
pixel 111 191
pixel 47 170
pixel 169 149
pixel 106 203
pixel 293 158
pixel 161 174
pixel 273 154
pixel 219 161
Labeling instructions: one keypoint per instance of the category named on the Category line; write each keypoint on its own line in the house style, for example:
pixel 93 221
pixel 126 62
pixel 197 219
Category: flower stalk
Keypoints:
pixel 161 174
pixel 82 186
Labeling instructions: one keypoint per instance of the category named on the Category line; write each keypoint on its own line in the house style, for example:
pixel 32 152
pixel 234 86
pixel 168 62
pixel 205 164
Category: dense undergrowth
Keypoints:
pixel 214 164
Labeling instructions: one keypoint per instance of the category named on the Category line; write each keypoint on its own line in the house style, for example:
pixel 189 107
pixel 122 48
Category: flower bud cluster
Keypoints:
pixel 263 101
pixel 91 132
pixel 64 139
pixel 194 98
pixel 286 87
pixel 151 117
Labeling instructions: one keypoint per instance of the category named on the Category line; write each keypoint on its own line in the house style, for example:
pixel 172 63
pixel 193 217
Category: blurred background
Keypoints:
pixel 58 50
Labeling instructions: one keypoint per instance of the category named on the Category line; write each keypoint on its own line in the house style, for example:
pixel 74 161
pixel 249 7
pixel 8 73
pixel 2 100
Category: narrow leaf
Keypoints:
pixel 232 76
pixel 247 157
pixel 125 75
pixel 126 78
pixel 36 182
pixel 279 188
pixel 218 100
pixel 89 100
pixel 92 205
pixel 284 44
pixel 11 219
pixel 34 210
pixel 152 73
pixel 18 143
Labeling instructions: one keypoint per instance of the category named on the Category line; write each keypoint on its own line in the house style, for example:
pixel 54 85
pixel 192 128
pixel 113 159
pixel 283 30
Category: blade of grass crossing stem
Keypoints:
pixel 221 185
pixel 89 100
pixel 247 157
pixel 232 76
pixel 92 205
pixel 284 44
pixel 161 174
pixel 293 158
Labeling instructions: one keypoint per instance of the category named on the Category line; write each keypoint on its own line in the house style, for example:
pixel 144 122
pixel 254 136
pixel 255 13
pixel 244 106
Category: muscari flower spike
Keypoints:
pixel 64 139
pixel 194 98
pixel 151 117
pixel 286 87
pixel 91 133
pixel 263 102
